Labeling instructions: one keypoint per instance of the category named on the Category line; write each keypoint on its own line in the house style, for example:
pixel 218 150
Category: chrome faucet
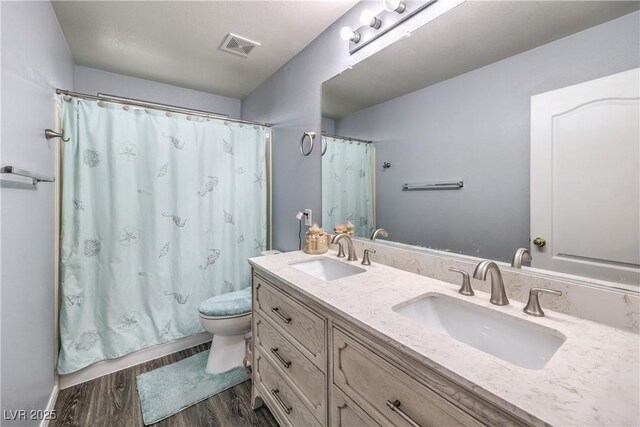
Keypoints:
pixel 379 232
pixel 352 252
pixel 498 295
pixel 522 254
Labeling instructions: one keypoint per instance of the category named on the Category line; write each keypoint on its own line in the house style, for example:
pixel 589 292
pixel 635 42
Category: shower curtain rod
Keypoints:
pixel 157 106
pixel 346 138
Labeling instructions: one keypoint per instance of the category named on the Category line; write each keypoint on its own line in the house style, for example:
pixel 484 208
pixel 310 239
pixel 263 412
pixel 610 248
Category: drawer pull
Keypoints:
pixel 285 363
pixel 395 407
pixel 276 311
pixel 285 408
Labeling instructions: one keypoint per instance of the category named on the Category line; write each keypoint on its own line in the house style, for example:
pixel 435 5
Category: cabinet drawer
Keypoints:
pixel 293 365
pixel 296 321
pixel 386 392
pixel 282 400
pixel 345 413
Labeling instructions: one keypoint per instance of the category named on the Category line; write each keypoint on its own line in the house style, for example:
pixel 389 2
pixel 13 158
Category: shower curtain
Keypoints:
pixel 347 185
pixel 158 214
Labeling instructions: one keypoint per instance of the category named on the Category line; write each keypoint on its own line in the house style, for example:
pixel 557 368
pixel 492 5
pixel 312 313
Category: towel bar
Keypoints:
pixel 433 186
pixel 21 172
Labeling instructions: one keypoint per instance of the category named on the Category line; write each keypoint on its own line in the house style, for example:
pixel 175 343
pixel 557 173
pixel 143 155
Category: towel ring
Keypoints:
pixel 324 145
pixel 312 136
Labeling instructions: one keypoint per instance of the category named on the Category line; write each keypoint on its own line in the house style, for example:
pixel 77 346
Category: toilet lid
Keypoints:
pixel 229 304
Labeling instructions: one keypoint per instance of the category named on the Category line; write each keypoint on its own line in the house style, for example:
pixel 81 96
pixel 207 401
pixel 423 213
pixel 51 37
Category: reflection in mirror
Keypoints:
pixel 347 185
pixel 534 107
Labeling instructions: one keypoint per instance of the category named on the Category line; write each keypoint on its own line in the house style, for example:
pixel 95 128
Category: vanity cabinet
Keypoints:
pixel 283 397
pixel 299 323
pixel 387 393
pixel 345 413
pixel 289 357
pixel 313 367
pixel 292 362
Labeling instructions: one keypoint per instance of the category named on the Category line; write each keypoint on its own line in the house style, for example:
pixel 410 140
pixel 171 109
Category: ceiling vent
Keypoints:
pixel 238 45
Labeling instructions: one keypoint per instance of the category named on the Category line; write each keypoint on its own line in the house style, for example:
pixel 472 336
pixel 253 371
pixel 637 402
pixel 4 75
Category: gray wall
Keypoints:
pixel 291 100
pixel 35 60
pixel 91 81
pixel 475 127
pixel 328 125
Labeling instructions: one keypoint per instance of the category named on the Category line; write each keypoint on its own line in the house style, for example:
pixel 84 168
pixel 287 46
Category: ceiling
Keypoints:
pixel 469 36
pixel 176 42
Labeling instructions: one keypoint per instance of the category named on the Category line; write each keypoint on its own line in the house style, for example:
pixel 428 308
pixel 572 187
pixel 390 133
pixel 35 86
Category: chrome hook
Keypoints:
pixel 50 134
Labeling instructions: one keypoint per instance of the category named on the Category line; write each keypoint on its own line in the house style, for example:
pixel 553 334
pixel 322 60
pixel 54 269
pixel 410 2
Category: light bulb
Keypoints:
pixel 366 17
pixel 348 34
pixel 394 5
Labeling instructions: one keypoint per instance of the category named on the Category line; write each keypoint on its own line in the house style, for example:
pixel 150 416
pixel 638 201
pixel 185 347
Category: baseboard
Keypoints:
pixel 51 404
pixel 106 367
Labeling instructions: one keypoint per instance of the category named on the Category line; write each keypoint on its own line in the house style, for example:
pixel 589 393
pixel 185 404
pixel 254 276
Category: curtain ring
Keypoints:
pixel 312 136
pixel 324 145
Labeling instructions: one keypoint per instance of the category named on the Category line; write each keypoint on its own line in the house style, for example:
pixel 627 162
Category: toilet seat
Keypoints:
pixel 224 317
pixel 231 304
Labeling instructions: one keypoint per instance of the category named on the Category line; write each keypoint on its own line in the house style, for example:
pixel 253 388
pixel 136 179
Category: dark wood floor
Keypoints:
pixel 113 400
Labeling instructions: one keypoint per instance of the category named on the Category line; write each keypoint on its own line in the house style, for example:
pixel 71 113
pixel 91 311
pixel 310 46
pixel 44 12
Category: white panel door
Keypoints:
pixel 585 178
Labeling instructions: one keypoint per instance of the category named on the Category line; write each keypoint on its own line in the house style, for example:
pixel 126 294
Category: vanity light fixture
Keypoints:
pixel 376 22
pixel 368 17
pixel 394 5
pixel 347 34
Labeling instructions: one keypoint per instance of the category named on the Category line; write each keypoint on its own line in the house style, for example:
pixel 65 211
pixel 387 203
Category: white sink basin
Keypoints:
pixel 516 341
pixel 327 268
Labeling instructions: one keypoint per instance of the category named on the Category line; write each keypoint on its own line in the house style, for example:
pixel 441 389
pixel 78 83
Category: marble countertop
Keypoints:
pixel 593 379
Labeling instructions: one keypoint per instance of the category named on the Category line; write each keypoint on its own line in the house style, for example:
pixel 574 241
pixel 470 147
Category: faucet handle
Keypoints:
pixel 465 289
pixel 533 304
pixel 365 256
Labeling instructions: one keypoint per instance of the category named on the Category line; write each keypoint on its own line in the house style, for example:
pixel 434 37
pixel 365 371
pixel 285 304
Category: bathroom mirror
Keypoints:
pixel 498 125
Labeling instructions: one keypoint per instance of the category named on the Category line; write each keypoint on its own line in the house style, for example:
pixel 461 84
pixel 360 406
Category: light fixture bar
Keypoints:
pixel 388 21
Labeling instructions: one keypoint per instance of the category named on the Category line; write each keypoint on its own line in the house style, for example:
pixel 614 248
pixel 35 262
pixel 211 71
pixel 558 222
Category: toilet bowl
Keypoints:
pixel 228 318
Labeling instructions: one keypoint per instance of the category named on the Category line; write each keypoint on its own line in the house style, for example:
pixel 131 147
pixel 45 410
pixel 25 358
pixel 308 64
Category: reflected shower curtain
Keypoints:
pixel 347 185
pixel 158 214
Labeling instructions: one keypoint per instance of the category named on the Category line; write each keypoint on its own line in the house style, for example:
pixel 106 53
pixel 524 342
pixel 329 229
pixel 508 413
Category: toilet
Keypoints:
pixel 228 318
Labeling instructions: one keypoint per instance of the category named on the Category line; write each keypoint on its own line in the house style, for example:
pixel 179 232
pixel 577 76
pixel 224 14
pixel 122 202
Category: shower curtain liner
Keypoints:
pixel 158 214
pixel 347 185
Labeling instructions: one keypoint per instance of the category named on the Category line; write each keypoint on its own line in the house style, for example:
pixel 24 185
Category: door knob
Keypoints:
pixel 539 242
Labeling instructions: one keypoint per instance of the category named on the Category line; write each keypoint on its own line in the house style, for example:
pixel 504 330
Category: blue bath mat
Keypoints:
pixel 168 390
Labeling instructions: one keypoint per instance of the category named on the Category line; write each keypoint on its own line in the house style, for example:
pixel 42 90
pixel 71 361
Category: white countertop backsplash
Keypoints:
pixel 593 379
